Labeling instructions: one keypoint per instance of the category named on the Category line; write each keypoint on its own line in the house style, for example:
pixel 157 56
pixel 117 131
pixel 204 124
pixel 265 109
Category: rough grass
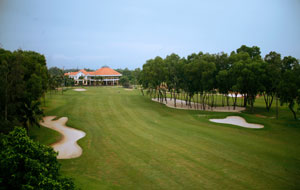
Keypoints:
pixel 135 143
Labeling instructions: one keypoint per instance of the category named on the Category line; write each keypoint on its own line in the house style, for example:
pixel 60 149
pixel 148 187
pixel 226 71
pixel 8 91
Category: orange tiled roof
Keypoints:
pixel 105 71
pixel 83 71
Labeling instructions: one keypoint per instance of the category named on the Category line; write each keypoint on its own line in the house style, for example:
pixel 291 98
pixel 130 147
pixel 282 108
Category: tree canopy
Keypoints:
pixel 25 164
pixel 243 72
pixel 24 80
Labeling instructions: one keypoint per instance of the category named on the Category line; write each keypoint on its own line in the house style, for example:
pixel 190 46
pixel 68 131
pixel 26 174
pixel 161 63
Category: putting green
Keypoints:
pixel 134 143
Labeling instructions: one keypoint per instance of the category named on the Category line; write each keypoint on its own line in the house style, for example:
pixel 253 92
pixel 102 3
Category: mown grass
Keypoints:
pixel 134 143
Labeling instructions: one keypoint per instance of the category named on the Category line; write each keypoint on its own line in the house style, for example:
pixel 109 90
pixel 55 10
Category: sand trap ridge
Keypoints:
pixel 79 89
pixel 239 121
pixel 67 147
pixel 180 104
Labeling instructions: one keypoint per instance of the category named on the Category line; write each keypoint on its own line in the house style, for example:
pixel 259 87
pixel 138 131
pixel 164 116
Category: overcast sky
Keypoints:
pixel 123 33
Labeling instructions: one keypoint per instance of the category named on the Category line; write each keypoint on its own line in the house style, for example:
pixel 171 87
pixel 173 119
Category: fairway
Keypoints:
pixel 132 142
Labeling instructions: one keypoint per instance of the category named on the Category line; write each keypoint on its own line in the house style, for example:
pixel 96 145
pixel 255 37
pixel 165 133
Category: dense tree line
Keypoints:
pixel 56 79
pixel 24 80
pixel 25 164
pixel 129 77
pixel 204 76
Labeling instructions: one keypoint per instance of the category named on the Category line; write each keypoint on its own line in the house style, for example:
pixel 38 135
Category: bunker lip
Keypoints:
pixel 79 89
pixel 239 121
pixel 66 147
pixel 180 104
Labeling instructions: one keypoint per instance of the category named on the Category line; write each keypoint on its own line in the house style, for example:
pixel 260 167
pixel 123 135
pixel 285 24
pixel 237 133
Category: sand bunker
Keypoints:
pixel 79 89
pixel 180 104
pixel 239 121
pixel 67 147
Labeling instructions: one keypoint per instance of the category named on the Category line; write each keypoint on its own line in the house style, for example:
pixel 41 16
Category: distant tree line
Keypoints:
pixel 129 77
pixel 58 79
pixel 243 72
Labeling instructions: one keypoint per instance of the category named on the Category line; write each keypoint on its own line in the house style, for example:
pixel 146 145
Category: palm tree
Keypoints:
pixel 32 114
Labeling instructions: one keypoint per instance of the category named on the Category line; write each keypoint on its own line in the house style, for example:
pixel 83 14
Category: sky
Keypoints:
pixel 120 34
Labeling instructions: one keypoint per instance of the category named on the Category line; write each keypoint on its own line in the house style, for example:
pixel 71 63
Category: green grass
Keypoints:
pixel 44 135
pixel 134 143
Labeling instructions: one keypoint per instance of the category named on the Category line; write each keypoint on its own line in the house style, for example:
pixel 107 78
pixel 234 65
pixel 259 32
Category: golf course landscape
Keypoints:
pixel 132 142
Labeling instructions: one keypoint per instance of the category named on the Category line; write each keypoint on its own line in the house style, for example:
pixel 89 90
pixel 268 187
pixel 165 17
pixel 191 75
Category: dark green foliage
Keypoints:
pixel 56 78
pixel 24 80
pixel 271 77
pixel 25 164
pixel 132 75
pixel 243 72
pixel 289 85
pixel 124 81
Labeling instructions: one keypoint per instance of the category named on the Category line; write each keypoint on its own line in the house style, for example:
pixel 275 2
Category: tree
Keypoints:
pixel 253 52
pixel 32 114
pixel 124 81
pixel 289 85
pixel 172 71
pixel 25 164
pixel 271 77
pixel 56 78
pixel 225 83
pixel 243 72
pixel 24 80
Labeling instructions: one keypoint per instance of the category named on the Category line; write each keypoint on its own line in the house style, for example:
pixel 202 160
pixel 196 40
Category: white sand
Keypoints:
pixel 129 89
pixel 180 104
pixel 67 147
pixel 79 89
pixel 239 121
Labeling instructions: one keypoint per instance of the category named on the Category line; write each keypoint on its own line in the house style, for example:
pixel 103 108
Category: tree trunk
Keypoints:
pixel 252 104
pixel 235 99
pixel 207 102
pixel 181 98
pixel 197 100
pixel 222 100
pixel 212 101
pixel 245 100
pixel 227 100
pixel 165 92
pixel 268 100
pixel 203 101
pixel 216 101
pixel 291 108
pixel 276 107
pixel 174 98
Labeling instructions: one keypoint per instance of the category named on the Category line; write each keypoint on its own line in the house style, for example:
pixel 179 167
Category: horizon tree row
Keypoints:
pixel 205 76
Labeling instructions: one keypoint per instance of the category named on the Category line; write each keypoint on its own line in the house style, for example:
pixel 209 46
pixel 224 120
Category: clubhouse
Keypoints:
pixel 103 76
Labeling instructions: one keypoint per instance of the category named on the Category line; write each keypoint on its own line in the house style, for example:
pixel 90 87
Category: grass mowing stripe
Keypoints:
pixel 134 143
